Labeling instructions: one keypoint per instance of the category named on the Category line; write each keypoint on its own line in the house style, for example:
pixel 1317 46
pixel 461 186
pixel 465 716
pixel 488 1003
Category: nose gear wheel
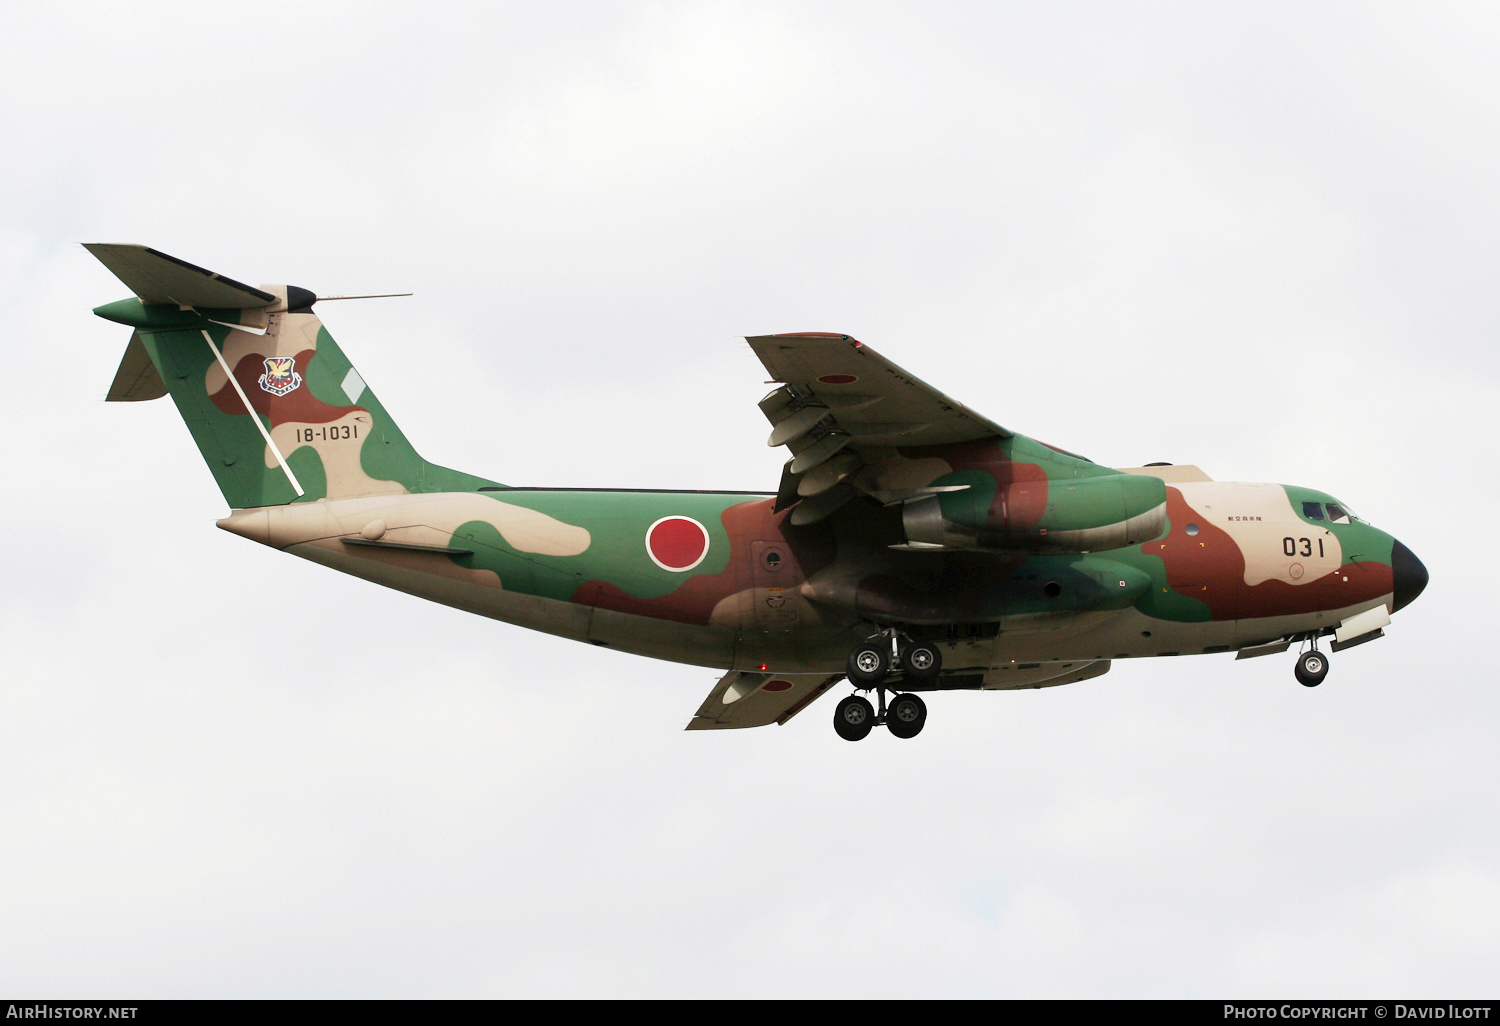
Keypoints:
pixel 1311 668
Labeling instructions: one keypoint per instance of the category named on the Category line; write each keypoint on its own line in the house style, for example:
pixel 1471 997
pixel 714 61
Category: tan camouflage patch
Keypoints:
pixel 287 335
pixel 338 444
pixel 441 513
pixel 1277 544
pixel 415 562
pixel 896 473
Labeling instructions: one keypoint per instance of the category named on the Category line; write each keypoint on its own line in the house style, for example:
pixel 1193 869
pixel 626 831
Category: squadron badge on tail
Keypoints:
pixel 281 375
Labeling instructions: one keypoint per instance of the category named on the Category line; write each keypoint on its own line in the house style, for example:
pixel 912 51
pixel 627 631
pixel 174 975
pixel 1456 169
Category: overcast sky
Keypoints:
pixel 1259 238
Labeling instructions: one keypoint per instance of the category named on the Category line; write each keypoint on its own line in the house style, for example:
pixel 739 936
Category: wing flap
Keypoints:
pixel 746 699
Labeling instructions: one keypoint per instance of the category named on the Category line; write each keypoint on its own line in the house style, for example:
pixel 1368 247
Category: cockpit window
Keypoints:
pixel 1337 513
pixel 1312 510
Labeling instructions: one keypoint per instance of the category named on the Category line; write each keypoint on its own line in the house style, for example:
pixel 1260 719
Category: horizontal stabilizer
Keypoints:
pixel 749 699
pixel 137 379
pixel 156 277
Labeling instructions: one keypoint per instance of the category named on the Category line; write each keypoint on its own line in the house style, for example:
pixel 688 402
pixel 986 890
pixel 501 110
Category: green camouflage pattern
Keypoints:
pixel 1028 565
pixel 352 448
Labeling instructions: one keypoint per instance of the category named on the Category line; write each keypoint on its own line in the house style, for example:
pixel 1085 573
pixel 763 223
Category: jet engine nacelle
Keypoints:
pixel 1089 514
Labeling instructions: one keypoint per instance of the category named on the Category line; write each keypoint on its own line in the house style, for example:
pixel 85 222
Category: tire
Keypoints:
pixel 853 719
pixel 1312 667
pixel 906 716
pixel 869 663
pixel 921 661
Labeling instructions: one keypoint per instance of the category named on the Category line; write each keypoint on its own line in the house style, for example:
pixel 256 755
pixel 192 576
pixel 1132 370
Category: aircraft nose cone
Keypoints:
pixel 1409 574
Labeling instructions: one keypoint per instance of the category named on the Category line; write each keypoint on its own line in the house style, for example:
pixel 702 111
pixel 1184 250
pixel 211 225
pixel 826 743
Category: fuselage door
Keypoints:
pixel 774 577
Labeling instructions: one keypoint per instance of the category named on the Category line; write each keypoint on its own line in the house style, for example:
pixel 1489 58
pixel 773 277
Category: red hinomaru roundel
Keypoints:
pixel 677 543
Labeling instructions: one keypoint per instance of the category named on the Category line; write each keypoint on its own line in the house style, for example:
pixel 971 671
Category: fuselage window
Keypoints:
pixel 1337 514
pixel 1312 510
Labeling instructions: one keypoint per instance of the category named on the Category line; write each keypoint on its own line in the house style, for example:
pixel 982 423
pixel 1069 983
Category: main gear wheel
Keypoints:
pixel 854 719
pixel 906 716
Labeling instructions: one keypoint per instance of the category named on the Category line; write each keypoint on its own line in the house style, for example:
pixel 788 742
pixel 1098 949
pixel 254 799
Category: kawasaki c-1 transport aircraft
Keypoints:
pixel 911 546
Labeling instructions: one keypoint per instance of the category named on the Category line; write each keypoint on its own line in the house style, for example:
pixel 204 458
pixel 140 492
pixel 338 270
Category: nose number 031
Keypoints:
pixel 1300 546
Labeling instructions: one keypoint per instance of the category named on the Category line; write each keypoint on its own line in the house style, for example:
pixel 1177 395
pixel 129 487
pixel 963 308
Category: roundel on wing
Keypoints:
pixel 838 379
pixel 677 543
pixel 776 685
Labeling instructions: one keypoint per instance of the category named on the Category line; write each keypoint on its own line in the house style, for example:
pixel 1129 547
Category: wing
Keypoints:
pixel 756 699
pixel 839 405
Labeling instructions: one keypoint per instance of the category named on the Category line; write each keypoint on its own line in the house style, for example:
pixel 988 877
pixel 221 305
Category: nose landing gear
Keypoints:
pixel 1312 665
pixel 1311 668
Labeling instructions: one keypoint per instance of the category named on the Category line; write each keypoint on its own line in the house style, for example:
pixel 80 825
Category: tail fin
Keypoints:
pixel 275 407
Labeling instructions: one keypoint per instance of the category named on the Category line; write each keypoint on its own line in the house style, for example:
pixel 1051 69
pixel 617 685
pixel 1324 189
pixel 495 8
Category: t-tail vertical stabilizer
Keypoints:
pixel 278 411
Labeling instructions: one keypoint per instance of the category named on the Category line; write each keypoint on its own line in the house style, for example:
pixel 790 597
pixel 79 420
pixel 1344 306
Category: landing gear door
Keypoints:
pixel 774 577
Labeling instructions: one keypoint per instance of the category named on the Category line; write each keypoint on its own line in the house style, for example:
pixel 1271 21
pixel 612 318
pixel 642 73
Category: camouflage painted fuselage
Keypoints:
pixel 1012 588
pixel 770 595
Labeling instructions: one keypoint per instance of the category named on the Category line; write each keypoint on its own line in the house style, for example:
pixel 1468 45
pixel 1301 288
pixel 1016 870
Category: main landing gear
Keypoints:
pixel 1312 667
pixel 891 651
pixel 870 664
pixel 855 717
